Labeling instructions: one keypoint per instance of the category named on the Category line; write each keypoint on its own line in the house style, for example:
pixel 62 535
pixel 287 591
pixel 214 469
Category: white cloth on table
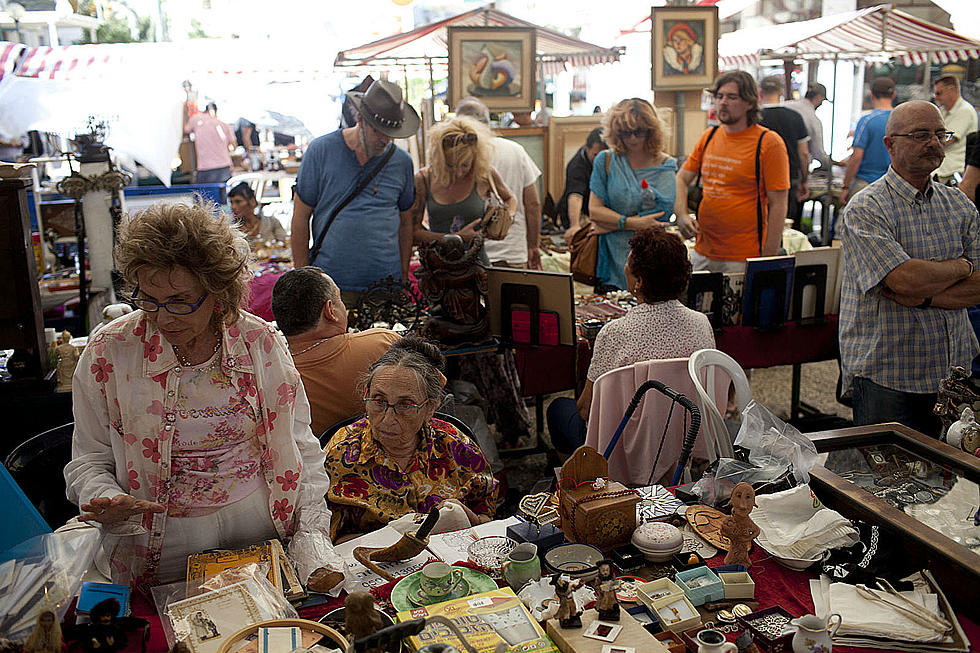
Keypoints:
pixel 797 525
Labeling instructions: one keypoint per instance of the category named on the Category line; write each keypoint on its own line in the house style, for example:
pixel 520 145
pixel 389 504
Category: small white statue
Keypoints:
pixel 110 313
pixel 67 357
pixel 963 430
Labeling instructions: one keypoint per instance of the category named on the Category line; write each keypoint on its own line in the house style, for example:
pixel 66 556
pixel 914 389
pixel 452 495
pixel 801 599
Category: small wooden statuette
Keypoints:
pixel 739 527
pixel 605 585
pixel 360 617
pixel 569 615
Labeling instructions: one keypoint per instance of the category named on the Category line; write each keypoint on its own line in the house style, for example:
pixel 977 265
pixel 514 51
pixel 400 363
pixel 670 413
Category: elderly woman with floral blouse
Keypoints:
pixel 399 458
pixel 192 428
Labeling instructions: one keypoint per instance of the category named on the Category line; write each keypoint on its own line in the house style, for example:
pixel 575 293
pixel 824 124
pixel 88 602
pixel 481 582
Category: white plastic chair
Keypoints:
pixel 712 420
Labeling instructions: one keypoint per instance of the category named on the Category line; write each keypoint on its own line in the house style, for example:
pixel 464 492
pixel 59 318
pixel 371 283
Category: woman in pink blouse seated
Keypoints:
pixel 659 326
pixel 192 427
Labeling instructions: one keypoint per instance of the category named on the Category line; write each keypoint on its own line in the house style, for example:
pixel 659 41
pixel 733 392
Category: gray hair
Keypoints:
pixel 421 357
pixel 473 108
pixel 299 296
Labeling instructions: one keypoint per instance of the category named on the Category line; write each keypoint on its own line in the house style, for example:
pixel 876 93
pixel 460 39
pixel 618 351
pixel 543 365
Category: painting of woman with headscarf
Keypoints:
pixel 683 47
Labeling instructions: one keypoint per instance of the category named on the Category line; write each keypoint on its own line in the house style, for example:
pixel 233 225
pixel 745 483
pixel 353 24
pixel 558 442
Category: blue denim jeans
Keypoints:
pixel 875 403
pixel 565 426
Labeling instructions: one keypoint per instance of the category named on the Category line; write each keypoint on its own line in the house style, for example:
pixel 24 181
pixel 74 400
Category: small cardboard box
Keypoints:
pixel 672 641
pixel 701 585
pixel 676 613
pixel 737 584
pixel 647 593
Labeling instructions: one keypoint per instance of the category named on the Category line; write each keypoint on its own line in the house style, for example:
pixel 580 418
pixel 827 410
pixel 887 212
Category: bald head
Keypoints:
pixel 912 116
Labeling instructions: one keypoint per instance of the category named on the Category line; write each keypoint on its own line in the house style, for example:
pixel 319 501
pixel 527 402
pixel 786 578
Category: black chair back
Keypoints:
pixel 38 467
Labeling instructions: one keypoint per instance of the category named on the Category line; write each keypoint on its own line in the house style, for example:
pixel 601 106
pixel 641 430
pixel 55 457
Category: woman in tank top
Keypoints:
pixel 452 191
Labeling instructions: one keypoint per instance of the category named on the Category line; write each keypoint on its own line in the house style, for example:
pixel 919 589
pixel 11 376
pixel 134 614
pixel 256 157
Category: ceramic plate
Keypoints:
pixel 476 582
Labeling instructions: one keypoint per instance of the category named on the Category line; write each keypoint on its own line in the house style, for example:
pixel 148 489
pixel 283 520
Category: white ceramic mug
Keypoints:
pixel 713 641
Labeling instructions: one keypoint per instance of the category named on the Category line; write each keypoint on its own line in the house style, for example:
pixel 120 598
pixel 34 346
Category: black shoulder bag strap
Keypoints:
pixel 347 200
pixel 758 197
pixel 704 150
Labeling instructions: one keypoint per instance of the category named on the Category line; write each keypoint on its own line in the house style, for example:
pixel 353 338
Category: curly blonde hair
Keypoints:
pixel 195 237
pixel 460 149
pixel 634 113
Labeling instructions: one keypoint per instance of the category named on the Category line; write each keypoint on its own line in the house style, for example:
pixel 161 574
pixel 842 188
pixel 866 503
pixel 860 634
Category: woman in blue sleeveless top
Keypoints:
pixel 632 185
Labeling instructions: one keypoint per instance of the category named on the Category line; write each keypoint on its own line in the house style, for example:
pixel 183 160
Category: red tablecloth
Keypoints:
pixel 787 345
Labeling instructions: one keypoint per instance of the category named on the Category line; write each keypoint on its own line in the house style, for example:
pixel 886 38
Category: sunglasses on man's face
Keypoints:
pixel 452 140
pixel 639 132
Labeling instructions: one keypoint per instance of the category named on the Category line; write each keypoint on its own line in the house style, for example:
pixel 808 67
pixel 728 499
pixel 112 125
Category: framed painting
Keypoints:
pixel 684 49
pixel 494 64
pixel 914 487
pixel 565 137
pixel 534 140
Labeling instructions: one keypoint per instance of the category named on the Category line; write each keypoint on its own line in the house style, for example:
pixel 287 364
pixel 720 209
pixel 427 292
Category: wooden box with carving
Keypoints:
pixel 602 515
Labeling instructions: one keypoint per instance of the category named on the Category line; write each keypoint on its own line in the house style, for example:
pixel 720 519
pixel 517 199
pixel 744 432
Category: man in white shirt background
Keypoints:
pixel 961 119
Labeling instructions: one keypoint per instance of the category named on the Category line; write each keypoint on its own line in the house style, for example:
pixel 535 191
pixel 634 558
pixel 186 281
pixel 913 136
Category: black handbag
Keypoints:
pixel 695 192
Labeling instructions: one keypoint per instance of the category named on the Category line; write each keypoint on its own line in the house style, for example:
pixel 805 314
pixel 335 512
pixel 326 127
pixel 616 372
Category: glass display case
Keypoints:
pixel 925 490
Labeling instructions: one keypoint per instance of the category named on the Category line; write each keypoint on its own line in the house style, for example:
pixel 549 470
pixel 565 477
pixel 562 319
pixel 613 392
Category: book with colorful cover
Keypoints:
pixel 486 619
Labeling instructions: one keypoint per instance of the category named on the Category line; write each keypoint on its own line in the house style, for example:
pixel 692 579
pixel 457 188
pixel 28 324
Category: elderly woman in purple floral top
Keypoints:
pixel 399 459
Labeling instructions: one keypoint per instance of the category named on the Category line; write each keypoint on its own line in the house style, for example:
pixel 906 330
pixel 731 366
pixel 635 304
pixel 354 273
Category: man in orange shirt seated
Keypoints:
pixel 310 313
pixel 745 174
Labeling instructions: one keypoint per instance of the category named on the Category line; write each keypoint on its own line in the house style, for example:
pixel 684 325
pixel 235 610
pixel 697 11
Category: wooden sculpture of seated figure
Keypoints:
pixel 455 283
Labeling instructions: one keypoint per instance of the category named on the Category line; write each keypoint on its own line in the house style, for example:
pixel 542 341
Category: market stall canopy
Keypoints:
pixel 429 43
pixel 726 9
pixel 879 31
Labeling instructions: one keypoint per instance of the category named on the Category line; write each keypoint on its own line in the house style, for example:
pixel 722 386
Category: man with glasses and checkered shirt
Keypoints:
pixel 910 250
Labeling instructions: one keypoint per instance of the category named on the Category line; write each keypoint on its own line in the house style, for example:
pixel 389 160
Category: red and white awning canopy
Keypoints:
pixel 556 51
pixel 871 32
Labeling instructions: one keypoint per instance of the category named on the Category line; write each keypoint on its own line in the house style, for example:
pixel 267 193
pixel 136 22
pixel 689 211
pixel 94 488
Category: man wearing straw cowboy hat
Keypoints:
pixel 353 192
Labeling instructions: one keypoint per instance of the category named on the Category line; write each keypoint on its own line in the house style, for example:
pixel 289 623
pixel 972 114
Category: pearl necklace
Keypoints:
pixel 315 344
pixel 183 361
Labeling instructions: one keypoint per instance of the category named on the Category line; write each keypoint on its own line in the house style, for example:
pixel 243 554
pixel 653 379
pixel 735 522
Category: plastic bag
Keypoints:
pixel 206 611
pixel 772 443
pixel 43 573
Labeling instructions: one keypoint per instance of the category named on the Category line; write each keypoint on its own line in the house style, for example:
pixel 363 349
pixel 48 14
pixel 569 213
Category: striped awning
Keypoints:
pixel 8 56
pixel 429 43
pixel 878 31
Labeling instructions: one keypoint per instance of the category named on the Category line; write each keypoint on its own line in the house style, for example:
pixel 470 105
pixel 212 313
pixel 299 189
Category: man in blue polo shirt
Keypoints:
pixel 869 157
pixel 371 236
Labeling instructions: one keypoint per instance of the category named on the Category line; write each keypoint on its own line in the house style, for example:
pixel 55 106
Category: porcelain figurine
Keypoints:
pixel 102 635
pixel 67 357
pixel 605 586
pixel 46 636
pixel 569 616
pixel 815 635
pixel 739 527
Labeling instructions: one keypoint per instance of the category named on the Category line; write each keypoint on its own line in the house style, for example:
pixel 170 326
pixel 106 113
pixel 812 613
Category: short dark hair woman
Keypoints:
pixel 657 272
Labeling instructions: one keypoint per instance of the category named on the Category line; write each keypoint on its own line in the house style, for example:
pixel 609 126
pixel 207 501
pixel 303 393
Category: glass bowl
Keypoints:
pixel 490 553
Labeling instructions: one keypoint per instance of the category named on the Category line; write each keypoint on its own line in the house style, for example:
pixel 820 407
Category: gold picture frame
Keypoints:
pixel 495 64
pixel 684 47
pixel 565 136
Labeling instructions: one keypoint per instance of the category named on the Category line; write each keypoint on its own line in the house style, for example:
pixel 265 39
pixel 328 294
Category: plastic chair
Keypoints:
pixel 643 440
pixel 713 422
pixel 37 466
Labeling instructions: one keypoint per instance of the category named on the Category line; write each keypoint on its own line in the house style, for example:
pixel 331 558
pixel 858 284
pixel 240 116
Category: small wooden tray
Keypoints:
pixel 706 522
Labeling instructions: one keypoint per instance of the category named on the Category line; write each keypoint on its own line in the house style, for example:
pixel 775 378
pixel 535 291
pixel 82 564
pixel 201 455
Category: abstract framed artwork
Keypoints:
pixel 684 50
pixel 495 64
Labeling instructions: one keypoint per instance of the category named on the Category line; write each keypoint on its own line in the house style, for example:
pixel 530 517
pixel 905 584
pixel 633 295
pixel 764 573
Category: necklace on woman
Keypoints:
pixel 315 344
pixel 186 363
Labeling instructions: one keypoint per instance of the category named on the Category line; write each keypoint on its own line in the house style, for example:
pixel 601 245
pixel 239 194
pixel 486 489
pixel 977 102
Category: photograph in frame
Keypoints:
pixel 684 48
pixel 494 64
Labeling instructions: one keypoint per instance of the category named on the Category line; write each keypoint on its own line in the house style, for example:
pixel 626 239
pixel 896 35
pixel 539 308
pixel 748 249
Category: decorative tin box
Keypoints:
pixel 700 585
pixel 599 512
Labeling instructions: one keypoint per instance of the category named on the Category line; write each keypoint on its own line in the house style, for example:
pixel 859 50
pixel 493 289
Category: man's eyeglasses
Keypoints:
pixel 402 408
pixel 639 132
pixel 452 140
pixel 174 308
pixel 924 136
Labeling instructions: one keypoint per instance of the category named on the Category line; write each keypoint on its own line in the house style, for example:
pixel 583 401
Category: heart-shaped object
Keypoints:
pixel 532 505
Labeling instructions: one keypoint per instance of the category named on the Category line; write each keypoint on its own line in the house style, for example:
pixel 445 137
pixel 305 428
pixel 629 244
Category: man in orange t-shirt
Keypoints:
pixel 727 226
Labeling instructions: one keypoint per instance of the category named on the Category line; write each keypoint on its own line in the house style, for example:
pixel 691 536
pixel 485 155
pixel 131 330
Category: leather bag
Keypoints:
pixel 584 251
pixel 497 218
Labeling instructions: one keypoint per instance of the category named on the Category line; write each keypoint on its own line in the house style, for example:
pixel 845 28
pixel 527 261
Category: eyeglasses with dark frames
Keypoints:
pixel 402 408
pixel 453 140
pixel 925 136
pixel 174 308
pixel 639 132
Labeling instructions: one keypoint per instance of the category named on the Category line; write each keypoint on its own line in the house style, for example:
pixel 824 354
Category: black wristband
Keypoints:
pixel 926 303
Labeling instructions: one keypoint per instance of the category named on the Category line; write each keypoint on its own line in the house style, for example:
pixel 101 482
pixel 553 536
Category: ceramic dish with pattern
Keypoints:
pixel 408 587
pixel 574 559
pixel 490 553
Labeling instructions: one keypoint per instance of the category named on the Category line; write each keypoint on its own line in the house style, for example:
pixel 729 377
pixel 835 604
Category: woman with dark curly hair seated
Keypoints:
pixel 659 326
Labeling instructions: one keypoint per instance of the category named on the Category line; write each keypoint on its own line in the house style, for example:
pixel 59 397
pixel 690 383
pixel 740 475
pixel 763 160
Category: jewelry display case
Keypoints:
pixel 923 489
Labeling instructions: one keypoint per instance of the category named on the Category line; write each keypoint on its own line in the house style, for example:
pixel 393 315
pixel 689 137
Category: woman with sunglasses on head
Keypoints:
pixel 399 458
pixel 632 186
pixel 453 189
pixel 192 428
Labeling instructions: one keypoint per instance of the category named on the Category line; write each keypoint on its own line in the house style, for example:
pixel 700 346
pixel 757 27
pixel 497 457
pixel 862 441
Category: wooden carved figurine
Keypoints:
pixel 605 586
pixel 739 527
pixel 46 636
pixel 455 284
pixel 569 616
pixel 360 617
pixel 67 357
